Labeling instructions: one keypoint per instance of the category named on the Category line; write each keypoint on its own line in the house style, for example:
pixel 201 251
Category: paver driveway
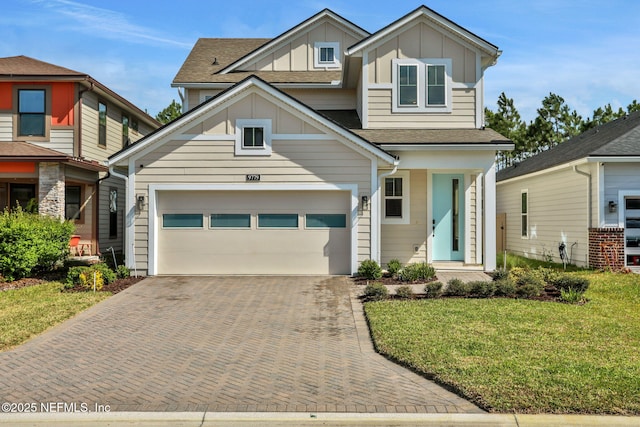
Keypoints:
pixel 220 344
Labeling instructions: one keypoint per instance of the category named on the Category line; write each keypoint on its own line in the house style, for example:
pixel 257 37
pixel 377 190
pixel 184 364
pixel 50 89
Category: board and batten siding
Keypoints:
pixel 463 113
pixel 296 54
pixel 293 161
pixel 558 212
pixel 618 177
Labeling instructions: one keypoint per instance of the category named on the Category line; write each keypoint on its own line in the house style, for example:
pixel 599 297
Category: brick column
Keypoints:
pixel 51 189
pixel 603 243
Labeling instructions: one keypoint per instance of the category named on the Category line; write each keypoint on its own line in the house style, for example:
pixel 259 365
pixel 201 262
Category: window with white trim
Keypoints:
pixel 524 214
pixel 395 199
pixel 421 85
pixel 253 137
pixel 326 55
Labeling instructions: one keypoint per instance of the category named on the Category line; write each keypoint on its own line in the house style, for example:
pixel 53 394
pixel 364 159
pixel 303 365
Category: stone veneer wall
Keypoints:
pixel 613 240
pixel 51 189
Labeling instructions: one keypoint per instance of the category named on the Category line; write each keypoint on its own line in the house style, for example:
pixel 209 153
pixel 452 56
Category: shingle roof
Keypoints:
pixel 620 137
pixel 25 151
pixel 15 66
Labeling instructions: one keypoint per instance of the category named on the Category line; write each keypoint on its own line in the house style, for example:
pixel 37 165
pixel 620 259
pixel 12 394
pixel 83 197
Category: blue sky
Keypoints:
pixel 586 51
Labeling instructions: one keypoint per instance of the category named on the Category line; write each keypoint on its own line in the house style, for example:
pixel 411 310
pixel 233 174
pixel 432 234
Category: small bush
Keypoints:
pixel 376 291
pixel 529 283
pixel 108 274
pixel 566 281
pixel 528 290
pixel 83 276
pixel 394 266
pixel 457 288
pixel 481 289
pixel 369 269
pixel 433 290
pixel 416 272
pixel 91 279
pixel 404 292
pixel 30 242
pixel 123 272
pixel 500 274
pixel 571 296
pixel 505 288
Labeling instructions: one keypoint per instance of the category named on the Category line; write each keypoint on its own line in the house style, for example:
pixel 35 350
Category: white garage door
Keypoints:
pixel 254 232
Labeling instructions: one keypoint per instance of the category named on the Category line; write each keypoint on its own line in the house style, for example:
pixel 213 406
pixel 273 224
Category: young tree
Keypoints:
pixel 507 122
pixel 173 111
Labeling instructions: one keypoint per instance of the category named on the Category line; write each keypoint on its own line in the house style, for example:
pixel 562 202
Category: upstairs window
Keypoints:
pixel 102 124
pixel 31 112
pixel 421 85
pixel 125 131
pixel 326 55
pixel 253 137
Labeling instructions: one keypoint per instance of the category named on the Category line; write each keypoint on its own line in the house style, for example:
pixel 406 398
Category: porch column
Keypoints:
pixel 490 218
pixel 51 200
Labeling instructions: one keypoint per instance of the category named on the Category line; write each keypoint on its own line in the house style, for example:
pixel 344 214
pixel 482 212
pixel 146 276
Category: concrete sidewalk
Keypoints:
pixel 286 419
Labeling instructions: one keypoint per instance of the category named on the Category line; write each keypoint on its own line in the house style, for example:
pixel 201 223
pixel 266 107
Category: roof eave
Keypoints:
pixel 474 146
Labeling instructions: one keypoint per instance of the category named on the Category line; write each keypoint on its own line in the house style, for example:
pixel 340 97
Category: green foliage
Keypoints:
pixel 529 283
pixel 457 288
pixel 31 242
pixel 394 266
pixel 172 112
pixel 83 276
pixel 107 273
pixel 404 292
pixel 376 291
pixel 566 282
pixel 505 288
pixel 481 288
pixel 370 269
pixel 416 272
pixel 500 274
pixel 123 272
pixel 571 296
pixel 433 289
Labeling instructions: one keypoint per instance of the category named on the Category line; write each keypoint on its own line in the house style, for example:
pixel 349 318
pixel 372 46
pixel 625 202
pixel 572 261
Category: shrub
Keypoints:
pixel 376 291
pixel 481 288
pixel 369 269
pixel 457 288
pixel 90 278
pixel 528 290
pixel 83 276
pixel 566 281
pixel 505 288
pixel 433 290
pixel 123 272
pixel 415 272
pixel 108 274
pixel 30 242
pixel 394 266
pixel 404 292
pixel 571 296
pixel 500 274
pixel 529 283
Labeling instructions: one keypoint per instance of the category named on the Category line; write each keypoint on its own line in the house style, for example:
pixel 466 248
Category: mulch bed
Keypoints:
pixel 118 285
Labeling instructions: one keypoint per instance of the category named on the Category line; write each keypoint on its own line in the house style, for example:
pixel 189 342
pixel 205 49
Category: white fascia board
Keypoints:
pixel 545 171
pixel 331 85
pixel 614 159
pixel 304 26
pixel 488 48
pixel 452 147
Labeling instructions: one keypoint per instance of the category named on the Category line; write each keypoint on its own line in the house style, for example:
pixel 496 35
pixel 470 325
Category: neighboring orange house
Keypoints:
pixel 57 128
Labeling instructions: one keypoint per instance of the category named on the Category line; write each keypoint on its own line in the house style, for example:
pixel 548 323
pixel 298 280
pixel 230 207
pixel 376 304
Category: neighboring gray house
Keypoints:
pixel 584 193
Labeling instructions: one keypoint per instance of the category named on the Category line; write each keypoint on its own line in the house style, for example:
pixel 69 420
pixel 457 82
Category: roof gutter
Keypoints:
pixel 452 146
pixel 588 175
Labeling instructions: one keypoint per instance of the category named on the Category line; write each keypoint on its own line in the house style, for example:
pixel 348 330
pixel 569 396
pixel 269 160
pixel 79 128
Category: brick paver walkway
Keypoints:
pixel 220 344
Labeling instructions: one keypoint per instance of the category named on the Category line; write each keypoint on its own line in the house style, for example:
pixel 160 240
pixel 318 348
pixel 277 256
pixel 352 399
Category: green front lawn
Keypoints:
pixel 521 355
pixel 27 312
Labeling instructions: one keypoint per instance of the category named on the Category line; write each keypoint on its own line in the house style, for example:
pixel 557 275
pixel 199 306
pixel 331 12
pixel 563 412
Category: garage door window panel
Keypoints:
pixel 240 221
pixel 326 221
pixel 182 221
pixel 278 221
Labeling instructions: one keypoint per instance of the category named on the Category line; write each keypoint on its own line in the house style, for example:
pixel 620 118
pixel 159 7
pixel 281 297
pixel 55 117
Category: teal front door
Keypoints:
pixel 448 217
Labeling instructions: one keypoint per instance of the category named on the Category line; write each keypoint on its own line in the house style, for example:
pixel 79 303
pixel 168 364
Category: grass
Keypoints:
pixel 525 356
pixel 520 261
pixel 27 312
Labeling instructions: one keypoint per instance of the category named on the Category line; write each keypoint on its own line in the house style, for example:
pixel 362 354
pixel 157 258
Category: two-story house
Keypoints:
pixel 315 150
pixel 57 128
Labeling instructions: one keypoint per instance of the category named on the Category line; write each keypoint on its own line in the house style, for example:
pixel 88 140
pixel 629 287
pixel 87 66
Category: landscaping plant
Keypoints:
pixel 417 272
pixel 393 267
pixel 376 291
pixel 370 269
pixel 404 292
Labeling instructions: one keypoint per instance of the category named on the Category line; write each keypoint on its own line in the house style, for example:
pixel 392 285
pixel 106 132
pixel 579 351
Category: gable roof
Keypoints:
pixel 251 81
pixel 25 151
pixel 433 16
pixel 22 67
pixel 618 138
pixel 303 26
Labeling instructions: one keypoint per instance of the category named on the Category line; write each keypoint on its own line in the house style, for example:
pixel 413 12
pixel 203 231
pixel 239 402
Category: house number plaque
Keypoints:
pixel 253 177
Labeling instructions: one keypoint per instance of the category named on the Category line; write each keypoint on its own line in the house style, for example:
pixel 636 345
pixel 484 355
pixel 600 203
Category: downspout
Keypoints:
pixel 588 175
pixel 379 207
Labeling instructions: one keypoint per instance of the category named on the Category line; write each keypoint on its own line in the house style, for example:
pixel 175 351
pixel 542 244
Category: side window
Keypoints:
pixel 125 131
pixel 31 112
pixel 395 195
pixel 436 85
pixel 102 124
pixel 408 85
pixel 524 214
pixel 253 137
pixel 72 202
